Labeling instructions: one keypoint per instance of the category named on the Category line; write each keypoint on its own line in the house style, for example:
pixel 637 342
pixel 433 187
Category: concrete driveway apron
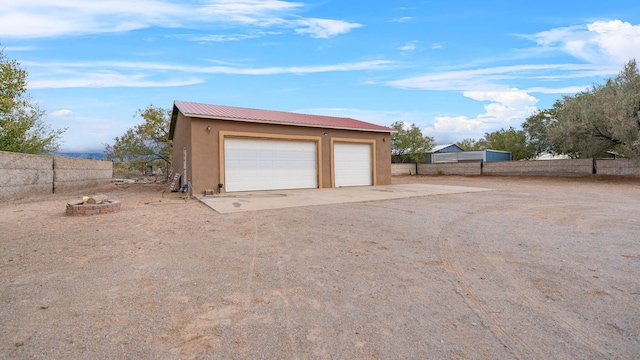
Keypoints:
pixel 278 199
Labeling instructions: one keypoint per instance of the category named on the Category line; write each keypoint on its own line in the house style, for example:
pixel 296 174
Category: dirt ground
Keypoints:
pixel 538 269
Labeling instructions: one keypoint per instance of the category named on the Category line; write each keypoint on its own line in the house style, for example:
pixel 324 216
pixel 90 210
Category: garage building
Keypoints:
pixel 230 149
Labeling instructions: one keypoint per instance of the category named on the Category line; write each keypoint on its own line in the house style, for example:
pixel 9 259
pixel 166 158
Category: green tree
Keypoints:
pixel 537 128
pixel 601 119
pixel 144 144
pixel 512 140
pixel 21 127
pixel 472 144
pixel 409 144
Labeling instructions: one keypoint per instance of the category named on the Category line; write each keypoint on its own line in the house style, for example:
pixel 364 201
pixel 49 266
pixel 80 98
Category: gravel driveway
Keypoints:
pixel 537 269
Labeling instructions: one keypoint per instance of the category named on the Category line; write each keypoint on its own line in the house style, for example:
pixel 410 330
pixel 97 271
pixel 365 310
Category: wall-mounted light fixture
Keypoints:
pixel 209 128
pixel 325 134
pixel 384 139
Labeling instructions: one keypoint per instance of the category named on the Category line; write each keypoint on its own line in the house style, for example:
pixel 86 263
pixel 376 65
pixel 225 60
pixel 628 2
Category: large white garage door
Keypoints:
pixel 352 164
pixel 265 164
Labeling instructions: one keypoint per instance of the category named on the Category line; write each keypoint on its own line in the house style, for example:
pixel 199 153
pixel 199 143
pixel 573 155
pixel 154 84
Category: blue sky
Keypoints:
pixel 457 69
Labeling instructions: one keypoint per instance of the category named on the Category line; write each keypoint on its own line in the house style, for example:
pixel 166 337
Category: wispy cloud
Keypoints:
pixel 560 90
pixel 403 19
pixel 411 46
pixel 495 78
pixel 20 48
pixel 385 118
pixel 324 28
pixel 142 74
pixel 217 37
pixel 42 18
pixel 436 46
pixel 61 113
pixel 108 79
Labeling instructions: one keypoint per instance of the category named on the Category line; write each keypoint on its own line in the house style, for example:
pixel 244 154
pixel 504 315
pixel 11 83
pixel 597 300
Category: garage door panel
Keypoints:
pixel 264 164
pixel 352 164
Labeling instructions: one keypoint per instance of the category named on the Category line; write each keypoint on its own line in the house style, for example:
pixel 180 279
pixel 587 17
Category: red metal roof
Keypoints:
pixel 274 117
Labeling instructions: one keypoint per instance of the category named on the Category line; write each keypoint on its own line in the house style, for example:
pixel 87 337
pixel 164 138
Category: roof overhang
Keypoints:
pixel 270 122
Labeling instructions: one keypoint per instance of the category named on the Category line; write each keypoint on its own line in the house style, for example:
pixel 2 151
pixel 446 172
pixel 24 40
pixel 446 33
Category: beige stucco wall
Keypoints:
pixel 204 162
pixel 182 139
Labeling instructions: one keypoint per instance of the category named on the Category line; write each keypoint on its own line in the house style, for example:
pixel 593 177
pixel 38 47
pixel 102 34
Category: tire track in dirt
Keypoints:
pixel 498 327
pixel 246 297
pixel 582 334
pixel 285 301
pixel 488 314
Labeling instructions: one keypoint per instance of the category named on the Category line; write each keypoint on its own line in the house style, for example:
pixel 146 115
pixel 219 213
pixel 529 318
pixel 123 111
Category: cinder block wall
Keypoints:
pixel 70 173
pixel 463 168
pixel 403 169
pixel 621 167
pixel 570 167
pixel 24 175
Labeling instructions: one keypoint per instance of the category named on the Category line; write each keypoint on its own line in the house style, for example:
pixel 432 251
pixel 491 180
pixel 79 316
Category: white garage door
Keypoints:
pixel 352 164
pixel 265 164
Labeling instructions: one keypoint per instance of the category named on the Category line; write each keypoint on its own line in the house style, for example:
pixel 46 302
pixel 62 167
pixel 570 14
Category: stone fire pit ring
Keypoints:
pixel 109 206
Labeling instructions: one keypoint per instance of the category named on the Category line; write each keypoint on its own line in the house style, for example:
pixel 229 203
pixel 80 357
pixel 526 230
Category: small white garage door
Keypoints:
pixel 352 164
pixel 266 164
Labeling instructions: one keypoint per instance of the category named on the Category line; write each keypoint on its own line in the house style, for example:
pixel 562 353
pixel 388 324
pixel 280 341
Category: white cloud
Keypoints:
pixel 325 28
pixel 513 98
pixel 42 18
pixel 409 46
pixel 601 42
pixel 61 113
pixel 450 129
pixel 436 46
pixel 506 108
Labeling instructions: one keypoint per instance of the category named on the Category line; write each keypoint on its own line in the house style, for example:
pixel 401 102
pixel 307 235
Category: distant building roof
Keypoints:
pixel 439 148
pixel 221 112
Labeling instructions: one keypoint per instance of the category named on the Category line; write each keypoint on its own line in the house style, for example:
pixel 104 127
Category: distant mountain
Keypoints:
pixel 93 156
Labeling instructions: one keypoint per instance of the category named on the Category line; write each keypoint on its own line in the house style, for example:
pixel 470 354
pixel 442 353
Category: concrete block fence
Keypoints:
pixel 621 167
pixel 71 173
pixel 568 167
pixel 403 169
pixel 23 175
pixel 460 168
